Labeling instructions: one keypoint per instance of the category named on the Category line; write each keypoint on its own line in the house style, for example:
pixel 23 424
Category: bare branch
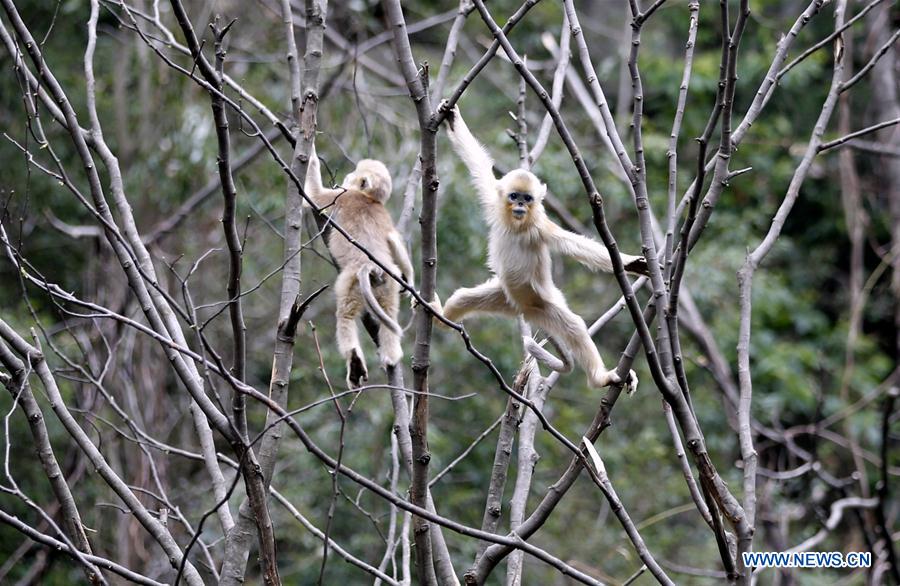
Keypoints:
pixel 849 137
pixel 601 479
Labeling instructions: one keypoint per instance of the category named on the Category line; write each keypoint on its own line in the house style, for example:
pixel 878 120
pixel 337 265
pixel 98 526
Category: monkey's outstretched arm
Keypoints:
pixel 590 253
pixel 487 298
pixel 313 184
pixel 401 257
pixel 475 156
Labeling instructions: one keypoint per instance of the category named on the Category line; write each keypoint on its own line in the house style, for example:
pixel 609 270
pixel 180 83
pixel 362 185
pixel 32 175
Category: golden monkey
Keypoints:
pixel 358 207
pixel 520 241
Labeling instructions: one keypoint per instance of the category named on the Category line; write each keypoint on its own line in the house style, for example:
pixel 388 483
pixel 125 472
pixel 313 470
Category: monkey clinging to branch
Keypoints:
pixel 358 207
pixel 520 241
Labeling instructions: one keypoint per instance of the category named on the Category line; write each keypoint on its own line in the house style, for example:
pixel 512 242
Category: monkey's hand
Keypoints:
pixel 377 277
pixel 450 113
pixel 436 307
pixel 636 265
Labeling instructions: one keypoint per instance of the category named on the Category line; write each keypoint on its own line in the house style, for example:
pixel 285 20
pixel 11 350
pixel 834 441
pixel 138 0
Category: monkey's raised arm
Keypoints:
pixel 313 183
pixel 590 253
pixel 475 157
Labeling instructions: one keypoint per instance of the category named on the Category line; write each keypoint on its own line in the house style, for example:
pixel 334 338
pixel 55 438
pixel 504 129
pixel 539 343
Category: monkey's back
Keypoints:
pixel 368 222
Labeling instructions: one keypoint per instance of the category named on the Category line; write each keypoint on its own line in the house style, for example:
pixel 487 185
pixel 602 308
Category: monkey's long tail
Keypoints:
pixel 561 365
pixel 365 287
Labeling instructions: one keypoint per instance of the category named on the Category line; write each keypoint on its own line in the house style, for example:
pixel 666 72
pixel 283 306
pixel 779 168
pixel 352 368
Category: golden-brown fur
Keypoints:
pixel 372 178
pixel 520 241
pixel 358 207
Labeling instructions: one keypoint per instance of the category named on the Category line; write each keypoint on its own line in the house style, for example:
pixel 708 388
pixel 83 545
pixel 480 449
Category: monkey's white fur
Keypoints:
pixel 519 247
pixel 358 206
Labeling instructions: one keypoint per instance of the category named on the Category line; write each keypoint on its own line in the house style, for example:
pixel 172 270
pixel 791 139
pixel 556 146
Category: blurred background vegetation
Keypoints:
pixel 160 126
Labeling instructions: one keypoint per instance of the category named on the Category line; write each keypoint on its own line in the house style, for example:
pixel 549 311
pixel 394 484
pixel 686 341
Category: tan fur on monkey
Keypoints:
pixel 520 242
pixel 358 207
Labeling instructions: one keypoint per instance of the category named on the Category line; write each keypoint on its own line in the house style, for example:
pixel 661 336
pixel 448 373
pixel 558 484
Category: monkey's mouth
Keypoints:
pixel 519 213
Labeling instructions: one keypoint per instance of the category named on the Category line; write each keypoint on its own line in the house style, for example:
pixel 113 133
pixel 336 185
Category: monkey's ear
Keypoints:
pixel 543 190
pixel 362 184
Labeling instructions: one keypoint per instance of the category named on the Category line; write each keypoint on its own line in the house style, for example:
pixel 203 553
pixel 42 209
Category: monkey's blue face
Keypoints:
pixel 519 203
pixel 520 193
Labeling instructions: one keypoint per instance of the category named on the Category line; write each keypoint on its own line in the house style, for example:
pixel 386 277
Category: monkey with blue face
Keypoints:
pixel 520 242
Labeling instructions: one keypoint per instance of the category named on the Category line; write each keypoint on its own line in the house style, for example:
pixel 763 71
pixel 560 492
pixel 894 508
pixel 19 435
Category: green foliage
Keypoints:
pixel 160 126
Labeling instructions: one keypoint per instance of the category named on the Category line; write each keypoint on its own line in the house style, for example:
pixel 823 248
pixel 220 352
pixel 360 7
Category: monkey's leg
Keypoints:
pixel 389 349
pixel 567 327
pixel 485 298
pixel 349 306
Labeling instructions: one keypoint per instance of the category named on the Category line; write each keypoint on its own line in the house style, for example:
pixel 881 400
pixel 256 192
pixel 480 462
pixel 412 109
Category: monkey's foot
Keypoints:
pixel 436 307
pixel 611 377
pixel 603 378
pixel 637 265
pixel 631 383
pixel 356 370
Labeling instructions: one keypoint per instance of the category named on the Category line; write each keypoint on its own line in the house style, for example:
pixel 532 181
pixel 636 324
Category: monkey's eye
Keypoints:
pixel 528 198
pixel 513 196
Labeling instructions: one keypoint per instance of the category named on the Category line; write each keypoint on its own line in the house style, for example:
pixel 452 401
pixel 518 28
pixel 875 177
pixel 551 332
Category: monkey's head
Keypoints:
pixel 372 178
pixel 522 193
